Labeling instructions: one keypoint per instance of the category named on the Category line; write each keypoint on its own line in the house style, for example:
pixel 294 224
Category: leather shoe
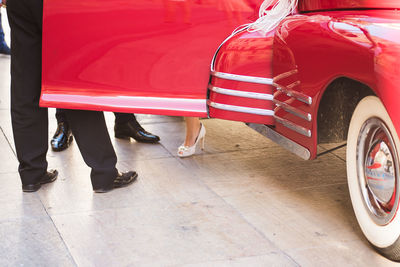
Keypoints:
pixel 134 130
pixel 49 177
pixel 123 179
pixel 62 137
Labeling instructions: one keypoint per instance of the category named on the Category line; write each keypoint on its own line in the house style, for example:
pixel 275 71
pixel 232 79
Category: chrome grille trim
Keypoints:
pixel 285 75
pixel 283 141
pixel 256 111
pixel 238 93
pixel 242 78
pixel 292 126
pixel 304 115
pixel 297 95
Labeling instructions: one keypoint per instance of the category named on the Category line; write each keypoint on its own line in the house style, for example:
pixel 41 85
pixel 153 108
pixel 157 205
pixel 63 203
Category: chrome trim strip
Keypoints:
pixel 131 102
pixel 285 75
pixel 256 111
pixel 299 96
pixel 294 127
pixel 242 78
pixel 281 140
pixel 240 93
pixel 293 110
pixel 219 47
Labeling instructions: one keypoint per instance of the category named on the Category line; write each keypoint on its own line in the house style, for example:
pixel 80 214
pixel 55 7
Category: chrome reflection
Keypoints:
pixel 295 111
pixel 242 78
pixel 283 141
pixel 377 169
pixel 288 90
pixel 379 172
pixel 240 93
pixel 292 126
pixel 255 111
pixel 285 75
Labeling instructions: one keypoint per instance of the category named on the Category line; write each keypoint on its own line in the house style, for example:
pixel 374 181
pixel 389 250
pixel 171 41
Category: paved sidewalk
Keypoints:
pixel 244 201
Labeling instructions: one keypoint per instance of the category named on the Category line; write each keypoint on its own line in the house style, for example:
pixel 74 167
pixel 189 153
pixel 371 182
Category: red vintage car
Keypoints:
pixel 329 72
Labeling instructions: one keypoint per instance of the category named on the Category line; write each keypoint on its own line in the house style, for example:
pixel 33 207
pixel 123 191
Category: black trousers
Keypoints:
pixel 30 122
pixel 120 118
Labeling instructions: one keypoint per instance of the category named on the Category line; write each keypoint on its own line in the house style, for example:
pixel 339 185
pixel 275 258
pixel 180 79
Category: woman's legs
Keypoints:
pixel 195 133
pixel 192 130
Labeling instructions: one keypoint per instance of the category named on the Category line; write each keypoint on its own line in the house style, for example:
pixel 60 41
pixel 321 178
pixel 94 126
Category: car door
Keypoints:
pixel 142 56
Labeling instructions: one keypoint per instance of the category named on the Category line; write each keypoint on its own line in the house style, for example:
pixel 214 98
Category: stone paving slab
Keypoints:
pixel 8 160
pixel 32 242
pixel 161 233
pixel 14 203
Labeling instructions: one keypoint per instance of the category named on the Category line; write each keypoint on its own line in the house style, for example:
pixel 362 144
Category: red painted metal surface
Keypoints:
pixel 248 54
pixel 132 56
pixel 314 5
pixel 154 57
pixel 321 47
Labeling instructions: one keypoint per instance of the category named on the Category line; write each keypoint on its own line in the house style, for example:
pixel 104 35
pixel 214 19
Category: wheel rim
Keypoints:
pixel 377 169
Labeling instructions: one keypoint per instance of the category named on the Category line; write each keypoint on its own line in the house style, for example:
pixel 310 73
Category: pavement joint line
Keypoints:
pixel 337 156
pixel 332 152
pixel 85 212
pixel 169 152
pixel 8 141
pixel 253 226
pixel 58 232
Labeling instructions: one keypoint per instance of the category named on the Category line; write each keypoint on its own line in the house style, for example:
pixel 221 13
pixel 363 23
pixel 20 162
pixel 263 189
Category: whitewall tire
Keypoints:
pixel 373 175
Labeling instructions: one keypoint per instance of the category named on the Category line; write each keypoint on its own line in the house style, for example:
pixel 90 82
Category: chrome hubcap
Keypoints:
pixel 377 167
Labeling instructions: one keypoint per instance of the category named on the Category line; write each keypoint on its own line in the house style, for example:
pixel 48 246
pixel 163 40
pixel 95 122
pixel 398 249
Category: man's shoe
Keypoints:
pixel 134 130
pixel 49 177
pixel 122 180
pixel 4 49
pixel 62 137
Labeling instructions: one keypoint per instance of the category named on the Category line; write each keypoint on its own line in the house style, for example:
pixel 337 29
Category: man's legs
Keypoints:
pixel 127 126
pixel 29 121
pixel 121 118
pixel 60 115
pixel 96 149
pixel 62 138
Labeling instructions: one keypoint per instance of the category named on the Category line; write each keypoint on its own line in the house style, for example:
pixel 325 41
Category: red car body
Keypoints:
pixel 134 56
pixel 298 84
pixel 154 56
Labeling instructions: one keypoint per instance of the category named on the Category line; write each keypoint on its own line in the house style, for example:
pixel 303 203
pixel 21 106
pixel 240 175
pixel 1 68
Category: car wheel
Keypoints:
pixel 373 175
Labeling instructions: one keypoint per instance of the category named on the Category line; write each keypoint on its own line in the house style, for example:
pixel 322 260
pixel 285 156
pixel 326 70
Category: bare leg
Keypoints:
pixel 192 130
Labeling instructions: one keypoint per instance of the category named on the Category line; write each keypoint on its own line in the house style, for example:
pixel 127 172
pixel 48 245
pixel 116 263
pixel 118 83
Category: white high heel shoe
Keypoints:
pixel 186 151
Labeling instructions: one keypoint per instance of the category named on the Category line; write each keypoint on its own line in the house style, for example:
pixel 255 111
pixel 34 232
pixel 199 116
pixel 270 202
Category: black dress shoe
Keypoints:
pixel 49 177
pixel 122 180
pixel 62 137
pixel 134 130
